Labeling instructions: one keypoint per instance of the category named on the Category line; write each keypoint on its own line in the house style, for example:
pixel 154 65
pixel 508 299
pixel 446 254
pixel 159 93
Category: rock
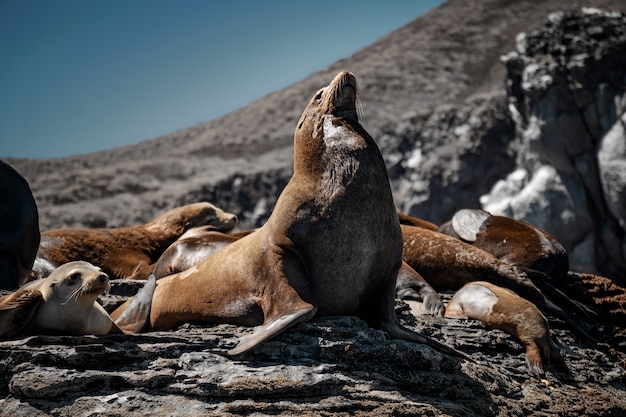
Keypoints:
pixel 564 89
pixel 329 366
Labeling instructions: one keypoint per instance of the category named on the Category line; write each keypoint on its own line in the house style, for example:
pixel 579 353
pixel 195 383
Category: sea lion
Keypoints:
pixel 192 247
pixel 127 252
pixel 512 241
pixel 417 222
pixel 502 309
pixel 447 263
pixel 19 228
pixel 201 242
pixel 16 311
pixel 313 256
pixel 68 303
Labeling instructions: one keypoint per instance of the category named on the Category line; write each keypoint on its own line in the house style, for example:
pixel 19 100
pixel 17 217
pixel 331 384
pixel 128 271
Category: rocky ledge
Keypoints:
pixel 329 366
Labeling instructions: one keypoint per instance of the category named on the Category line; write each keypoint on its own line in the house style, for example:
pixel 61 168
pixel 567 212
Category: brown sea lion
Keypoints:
pixel 313 256
pixel 447 263
pixel 417 222
pixel 512 241
pixel 201 242
pixel 19 228
pixel 502 309
pixel 68 303
pixel 127 252
pixel 16 311
pixel 192 247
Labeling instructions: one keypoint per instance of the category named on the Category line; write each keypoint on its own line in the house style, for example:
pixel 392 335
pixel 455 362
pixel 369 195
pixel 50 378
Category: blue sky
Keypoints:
pixel 79 76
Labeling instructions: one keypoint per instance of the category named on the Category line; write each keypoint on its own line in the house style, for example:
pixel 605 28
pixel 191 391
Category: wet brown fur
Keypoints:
pixel 129 252
pixel 519 243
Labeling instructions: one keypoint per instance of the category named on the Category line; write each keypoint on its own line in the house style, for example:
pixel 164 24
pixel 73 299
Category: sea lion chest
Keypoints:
pixel 345 226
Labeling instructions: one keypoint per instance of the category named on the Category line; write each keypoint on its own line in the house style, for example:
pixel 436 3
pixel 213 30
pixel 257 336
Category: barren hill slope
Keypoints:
pixel 441 58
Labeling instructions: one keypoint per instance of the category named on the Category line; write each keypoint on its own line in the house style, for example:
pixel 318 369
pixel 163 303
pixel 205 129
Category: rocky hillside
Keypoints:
pixel 514 106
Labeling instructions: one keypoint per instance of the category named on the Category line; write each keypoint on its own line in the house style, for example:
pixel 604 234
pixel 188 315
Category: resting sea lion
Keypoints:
pixel 192 247
pixel 127 252
pixel 502 309
pixel 68 303
pixel 447 263
pixel 313 256
pixel 414 221
pixel 19 228
pixel 512 241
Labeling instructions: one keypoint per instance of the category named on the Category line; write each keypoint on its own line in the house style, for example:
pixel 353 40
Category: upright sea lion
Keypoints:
pixel 192 247
pixel 68 303
pixel 19 228
pixel 512 241
pixel 313 256
pixel 502 309
pixel 127 252
pixel 447 263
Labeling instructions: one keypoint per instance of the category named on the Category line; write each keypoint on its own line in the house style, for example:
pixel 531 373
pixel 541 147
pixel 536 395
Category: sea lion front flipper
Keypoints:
pixel 17 310
pixel 533 360
pixel 412 286
pixel 467 222
pixel 136 314
pixel 272 328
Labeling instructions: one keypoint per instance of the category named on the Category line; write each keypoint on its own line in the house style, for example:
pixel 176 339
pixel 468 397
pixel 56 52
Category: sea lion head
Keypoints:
pixel 330 117
pixel 69 301
pixel 195 215
pixel 76 282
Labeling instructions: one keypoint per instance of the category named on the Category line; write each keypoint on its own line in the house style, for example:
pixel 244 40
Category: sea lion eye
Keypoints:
pixel 73 278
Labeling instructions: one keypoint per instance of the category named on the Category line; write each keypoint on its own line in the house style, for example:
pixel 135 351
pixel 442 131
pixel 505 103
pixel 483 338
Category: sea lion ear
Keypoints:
pixel 466 223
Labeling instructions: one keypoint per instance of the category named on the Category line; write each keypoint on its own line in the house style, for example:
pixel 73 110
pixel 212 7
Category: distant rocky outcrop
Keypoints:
pixel 552 152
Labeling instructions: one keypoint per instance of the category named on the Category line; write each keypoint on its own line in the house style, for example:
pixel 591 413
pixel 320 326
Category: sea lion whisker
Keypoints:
pixel 359 107
pixel 74 295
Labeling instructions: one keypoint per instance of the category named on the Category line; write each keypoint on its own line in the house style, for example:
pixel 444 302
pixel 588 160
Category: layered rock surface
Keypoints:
pixel 330 366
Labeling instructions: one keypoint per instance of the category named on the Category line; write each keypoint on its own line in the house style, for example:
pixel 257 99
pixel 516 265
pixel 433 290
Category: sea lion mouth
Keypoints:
pixel 95 288
pixel 341 94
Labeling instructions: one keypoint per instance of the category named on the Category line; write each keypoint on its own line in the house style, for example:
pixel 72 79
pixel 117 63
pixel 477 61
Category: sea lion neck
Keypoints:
pixel 329 119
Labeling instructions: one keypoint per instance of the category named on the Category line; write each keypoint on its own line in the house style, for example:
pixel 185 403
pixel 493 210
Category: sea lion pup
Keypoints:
pixel 19 228
pixel 313 256
pixel 128 252
pixel 16 311
pixel 447 263
pixel 192 247
pixel 502 309
pixel 512 241
pixel 68 303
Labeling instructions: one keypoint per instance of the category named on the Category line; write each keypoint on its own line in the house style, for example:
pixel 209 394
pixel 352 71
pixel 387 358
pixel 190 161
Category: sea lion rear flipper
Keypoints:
pixel 272 328
pixel 135 315
pixel 466 223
